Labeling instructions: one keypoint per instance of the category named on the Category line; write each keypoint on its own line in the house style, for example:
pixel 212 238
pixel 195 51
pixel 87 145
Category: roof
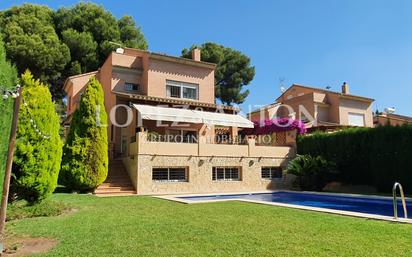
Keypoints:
pixel 327 91
pixel 176 101
pixel 170 58
pixel 182 60
pixel 78 76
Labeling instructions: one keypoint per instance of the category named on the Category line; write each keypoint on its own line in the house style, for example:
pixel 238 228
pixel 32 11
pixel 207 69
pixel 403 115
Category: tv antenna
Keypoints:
pixel 281 85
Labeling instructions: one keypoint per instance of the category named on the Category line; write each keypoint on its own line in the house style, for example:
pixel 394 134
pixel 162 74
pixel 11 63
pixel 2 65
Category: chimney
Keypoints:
pixel 345 88
pixel 196 54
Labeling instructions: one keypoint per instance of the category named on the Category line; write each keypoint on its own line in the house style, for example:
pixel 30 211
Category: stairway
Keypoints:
pixel 117 182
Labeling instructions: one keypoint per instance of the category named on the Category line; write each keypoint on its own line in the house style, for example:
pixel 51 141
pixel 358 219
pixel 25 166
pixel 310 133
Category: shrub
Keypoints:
pixel 371 156
pixel 85 158
pixel 313 172
pixel 37 156
pixel 8 78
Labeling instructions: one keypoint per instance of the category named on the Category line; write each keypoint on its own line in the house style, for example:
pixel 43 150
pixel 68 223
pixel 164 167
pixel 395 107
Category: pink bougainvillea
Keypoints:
pixel 276 125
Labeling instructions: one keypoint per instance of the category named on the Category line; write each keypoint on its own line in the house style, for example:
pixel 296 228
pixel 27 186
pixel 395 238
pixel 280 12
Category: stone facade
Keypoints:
pixel 200 174
pixel 199 159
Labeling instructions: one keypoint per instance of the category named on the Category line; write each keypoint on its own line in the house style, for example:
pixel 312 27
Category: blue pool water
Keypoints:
pixel 379 206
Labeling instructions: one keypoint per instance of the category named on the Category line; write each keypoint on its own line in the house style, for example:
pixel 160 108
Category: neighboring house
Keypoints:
pixel 154 88
pixel 392 119
pixel 320 108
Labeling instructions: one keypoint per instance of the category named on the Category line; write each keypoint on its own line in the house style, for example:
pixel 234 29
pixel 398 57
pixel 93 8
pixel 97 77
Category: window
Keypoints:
pixel 226 173
pixel 189 93
pixel 169 174
pixel 356 119
pixel 181 90
pixel 271 172
pixel 131 86
pixel 173 91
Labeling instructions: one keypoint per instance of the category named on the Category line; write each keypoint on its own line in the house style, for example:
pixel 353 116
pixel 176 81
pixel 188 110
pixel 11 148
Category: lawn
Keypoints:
pixel 144 226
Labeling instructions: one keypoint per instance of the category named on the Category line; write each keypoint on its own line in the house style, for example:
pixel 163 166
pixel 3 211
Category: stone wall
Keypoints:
pixel 200 174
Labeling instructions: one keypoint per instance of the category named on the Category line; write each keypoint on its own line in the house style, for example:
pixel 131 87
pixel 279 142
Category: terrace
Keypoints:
pixel 203 146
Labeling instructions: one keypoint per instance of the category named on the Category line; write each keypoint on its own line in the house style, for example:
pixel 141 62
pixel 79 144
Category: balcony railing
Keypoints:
pixel 194 139
pixel 249 148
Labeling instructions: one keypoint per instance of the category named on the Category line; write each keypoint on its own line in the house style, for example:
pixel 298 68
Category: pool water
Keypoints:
pixel 370 205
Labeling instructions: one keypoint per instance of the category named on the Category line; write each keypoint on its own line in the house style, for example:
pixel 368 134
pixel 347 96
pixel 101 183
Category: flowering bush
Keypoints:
pixel 270 126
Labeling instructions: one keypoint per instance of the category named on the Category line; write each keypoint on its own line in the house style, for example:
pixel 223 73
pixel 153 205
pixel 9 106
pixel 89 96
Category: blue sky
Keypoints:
pixel 366 43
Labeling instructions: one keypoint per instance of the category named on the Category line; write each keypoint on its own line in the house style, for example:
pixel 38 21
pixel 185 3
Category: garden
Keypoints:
pixel 53 176
pixel 145 226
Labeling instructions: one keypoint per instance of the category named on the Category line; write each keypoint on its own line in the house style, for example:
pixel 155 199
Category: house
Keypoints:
pixel 320 108
pixel 169 133
pixel 387 118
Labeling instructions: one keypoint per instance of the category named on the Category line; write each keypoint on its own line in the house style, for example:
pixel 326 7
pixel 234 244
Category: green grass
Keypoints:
pixel 144 226
pixel 21 209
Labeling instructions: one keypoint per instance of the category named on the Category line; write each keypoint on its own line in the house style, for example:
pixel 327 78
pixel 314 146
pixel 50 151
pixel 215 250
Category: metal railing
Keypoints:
pixel 395 201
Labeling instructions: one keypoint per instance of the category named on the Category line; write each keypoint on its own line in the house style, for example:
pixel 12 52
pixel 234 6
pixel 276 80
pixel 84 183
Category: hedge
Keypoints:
pixel 371 156
pixel 8 79
pixel 85 154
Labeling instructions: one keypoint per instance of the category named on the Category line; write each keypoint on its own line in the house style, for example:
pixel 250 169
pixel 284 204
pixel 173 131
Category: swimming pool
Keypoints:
pixel 381 206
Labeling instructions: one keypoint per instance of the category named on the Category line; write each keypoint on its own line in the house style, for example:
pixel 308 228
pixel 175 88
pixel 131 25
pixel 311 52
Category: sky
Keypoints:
pixel 320 43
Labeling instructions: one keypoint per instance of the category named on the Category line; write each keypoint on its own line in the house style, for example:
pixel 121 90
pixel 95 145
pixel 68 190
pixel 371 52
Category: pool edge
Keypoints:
pixel 300 207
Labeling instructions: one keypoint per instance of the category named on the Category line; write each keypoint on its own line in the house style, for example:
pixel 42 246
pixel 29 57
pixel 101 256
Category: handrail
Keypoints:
pixel 395 201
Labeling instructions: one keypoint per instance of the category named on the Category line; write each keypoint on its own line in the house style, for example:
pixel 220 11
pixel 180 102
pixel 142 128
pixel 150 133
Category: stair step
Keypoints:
pixel 114 195
pixel 118 176
pixel 114 188
pixel 116 184
pixel 117 181
pixel 103 192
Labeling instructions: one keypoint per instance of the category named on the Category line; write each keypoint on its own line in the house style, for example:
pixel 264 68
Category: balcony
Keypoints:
pixel 144 145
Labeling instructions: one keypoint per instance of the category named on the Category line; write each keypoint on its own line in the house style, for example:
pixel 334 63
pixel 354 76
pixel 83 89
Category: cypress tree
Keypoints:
pixel 38 152
pixel 85 154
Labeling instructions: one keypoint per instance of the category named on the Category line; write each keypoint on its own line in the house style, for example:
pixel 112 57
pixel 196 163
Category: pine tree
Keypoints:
pixel 85 158
pixel 38 152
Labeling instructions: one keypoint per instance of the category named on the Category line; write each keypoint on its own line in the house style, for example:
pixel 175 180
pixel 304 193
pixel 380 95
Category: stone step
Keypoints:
pixel 117 180
pixel 114 188
pixel 104 191
pixel 116 184
pixel 116 194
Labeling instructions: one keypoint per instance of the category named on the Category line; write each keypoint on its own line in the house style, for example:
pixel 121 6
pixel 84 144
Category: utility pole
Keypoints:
pixel 7 174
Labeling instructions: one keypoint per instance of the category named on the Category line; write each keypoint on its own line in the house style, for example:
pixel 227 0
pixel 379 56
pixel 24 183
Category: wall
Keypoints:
pixel 206 149
pixel 76 85
pixel 355 106
pixel 323 113
pixel 334 114
pixel 200 175
pixel 127 61
pixel 160 71
pixel 199 158
pixel 382 120
pixel 305 101
pixel 121 76
pixel 295 92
